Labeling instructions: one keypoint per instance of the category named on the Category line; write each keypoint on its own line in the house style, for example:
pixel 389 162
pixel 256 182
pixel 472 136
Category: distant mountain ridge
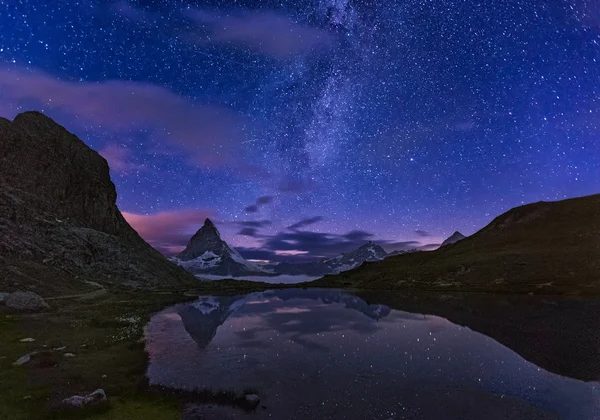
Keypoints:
pixel 540 248
pixel 343 262
pixel 207 253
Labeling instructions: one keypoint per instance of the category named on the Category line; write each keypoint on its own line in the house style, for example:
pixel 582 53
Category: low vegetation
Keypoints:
pixel 104 335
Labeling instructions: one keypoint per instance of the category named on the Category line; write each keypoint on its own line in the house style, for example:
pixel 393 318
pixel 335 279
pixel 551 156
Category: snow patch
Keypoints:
pixel 206 304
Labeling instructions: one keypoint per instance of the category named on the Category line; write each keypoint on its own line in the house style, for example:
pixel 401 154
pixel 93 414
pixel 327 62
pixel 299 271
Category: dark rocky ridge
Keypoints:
pixel 456 236
pixel 59 223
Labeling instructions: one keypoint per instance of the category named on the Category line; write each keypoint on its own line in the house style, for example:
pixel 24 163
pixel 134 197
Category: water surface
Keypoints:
pixel 329 354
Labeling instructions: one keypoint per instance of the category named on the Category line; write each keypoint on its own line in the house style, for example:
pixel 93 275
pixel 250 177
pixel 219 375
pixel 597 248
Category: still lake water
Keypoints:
pixel 327 354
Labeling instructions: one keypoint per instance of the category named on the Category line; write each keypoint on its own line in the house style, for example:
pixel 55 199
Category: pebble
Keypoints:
pixel 24 359
pixel 252 399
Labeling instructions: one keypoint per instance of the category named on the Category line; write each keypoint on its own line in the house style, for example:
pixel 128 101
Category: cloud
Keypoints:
pixel 422 233
pixel 429 247
pixel 119 158
pixel 260 201
pixel 127 10
pixel 210 134
pixel 305 222
pixel 168 232
pixel 399 246
pixel 358 235
pixel 265 32
pixel 250 227
pixel 587 13
pixel 254 223
pixel 267 255
pixel 249 231
pixel 294 186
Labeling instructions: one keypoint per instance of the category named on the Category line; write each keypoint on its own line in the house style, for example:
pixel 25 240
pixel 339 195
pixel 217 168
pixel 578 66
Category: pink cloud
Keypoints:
pixel 119 158
pixel 168 232
pixel 209 134
pixel 264 32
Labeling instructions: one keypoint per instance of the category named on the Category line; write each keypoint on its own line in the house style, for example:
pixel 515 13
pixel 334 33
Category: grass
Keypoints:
pixel 106 337
pixel 540 248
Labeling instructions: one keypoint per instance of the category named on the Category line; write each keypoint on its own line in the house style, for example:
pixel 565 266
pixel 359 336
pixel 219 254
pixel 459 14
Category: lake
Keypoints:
pixel 329 354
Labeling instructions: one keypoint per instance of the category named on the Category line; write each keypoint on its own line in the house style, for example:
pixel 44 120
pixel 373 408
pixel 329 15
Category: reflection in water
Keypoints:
pixel 329 354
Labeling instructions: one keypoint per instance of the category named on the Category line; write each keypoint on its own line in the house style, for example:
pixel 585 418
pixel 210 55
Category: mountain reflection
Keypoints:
pixel 202 318
pixel 332 354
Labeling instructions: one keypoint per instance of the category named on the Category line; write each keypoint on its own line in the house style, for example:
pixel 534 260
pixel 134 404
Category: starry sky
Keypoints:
pixel 304 129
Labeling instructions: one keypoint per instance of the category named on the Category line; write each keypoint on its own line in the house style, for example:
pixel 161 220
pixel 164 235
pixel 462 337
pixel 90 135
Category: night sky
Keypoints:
pixel 305 128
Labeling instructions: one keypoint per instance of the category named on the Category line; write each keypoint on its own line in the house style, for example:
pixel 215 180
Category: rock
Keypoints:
pixel 59 218
pixel 69 355
pixel 252 400
pixel 95 398
pixel 24 359
pixel 26 301
pixel 3 297
pixel 27 340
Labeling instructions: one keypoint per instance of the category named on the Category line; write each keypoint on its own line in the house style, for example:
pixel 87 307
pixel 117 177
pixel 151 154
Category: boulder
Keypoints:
pixel 95 398
pixel 24 359
pixel 26 301
pixel 252 400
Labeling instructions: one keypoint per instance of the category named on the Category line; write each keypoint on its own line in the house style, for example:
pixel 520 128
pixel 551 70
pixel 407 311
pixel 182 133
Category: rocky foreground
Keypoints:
pixel 60 228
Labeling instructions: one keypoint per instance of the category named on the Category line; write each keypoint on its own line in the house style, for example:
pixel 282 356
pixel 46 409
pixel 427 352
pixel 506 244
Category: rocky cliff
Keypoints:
pixel 60 227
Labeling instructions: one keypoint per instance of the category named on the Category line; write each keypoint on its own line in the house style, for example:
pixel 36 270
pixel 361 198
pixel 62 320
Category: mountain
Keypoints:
pixel 207 253
pixel 59 223
pixel 343 262
pixel 540 248
pixel 203 317
pixel 456 236
pixel 400 252
pixel 350 260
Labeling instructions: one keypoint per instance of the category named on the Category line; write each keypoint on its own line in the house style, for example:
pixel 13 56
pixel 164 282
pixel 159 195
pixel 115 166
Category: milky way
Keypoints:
pixel 307 128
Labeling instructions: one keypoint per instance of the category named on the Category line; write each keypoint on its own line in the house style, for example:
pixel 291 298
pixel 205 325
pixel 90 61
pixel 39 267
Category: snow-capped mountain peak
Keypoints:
pixel 207 253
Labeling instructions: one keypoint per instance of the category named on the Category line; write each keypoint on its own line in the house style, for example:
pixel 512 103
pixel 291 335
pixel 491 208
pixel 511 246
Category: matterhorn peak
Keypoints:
pixel 207 253
pixel 209 228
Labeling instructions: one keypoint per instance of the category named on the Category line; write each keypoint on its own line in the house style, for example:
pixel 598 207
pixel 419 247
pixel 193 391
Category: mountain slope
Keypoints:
pixel 59 223
pixel 456 236
pixel 207 253
pixel 343 262
pixel 541 248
